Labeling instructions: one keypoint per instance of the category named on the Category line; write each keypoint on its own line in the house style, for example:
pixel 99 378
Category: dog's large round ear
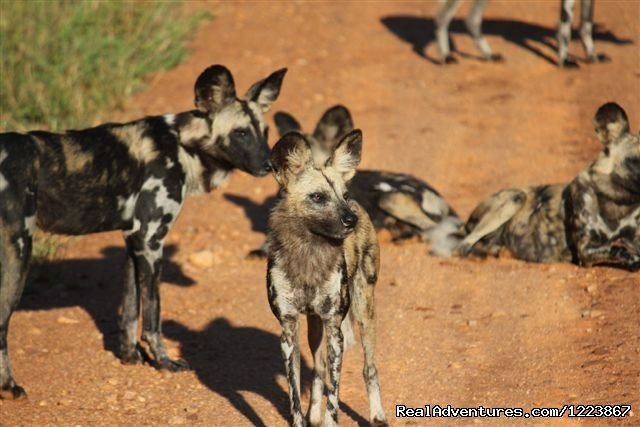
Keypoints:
pixel 335 123
pixel 286 123
pixel 290 155
pixel 266 91
pixel 346 155
pixel 610 122
pixel 214 89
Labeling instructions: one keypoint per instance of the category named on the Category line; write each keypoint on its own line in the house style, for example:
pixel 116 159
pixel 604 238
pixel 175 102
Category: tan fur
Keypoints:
pixel 140 147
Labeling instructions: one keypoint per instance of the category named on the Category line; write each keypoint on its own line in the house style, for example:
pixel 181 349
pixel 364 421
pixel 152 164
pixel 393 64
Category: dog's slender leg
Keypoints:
pixel 586 32
pixel 362 305
pixel 443 19
pixel 335 348
pixel 16 229
pixel 314 334
pixel 499 209
pixel 148 269
pixel 129 351
pixel 474 25
pixel 564 34
pixel 289 344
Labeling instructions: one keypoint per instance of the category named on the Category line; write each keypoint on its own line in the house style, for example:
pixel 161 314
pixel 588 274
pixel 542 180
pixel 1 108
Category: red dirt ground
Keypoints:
pixel 497 333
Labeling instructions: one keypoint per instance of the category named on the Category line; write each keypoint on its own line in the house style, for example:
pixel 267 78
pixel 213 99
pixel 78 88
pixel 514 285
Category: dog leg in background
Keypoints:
pixel 564 34
pixel 443 19
pixel 314 334
pixel 474 25
pixel 290 346
pixel 586 32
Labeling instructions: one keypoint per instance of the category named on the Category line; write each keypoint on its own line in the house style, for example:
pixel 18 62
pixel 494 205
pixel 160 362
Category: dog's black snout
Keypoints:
pixel 268 167
pixel 349 220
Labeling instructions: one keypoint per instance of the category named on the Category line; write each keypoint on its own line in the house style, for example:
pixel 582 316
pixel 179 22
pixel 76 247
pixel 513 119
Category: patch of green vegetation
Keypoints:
pixel 64 62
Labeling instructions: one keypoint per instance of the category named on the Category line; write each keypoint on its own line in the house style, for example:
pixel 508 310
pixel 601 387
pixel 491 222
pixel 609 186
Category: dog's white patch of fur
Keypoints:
pixel 383 186
pixel 442 238
pixel 168 163
pixel 3 182
pixel 20 243
pixel 193 169
pixel 433 204
pixel 169 119
pixel 127 206
pixel 30 224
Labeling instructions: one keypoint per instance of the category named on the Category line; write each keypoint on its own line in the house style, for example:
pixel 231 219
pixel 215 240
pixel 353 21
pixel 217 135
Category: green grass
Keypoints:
pixel 64 63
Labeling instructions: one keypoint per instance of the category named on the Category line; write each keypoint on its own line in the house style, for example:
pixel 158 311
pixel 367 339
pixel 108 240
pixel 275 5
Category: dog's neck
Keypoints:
pixel 306 258
pixel 205 169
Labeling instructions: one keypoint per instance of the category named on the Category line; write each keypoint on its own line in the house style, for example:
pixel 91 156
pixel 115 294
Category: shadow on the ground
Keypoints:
pixel 420 32
pixel 95 284
pixel 258 213
pixel 230 360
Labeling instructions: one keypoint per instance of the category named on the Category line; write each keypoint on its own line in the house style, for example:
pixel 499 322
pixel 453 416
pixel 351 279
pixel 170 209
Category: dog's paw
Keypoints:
pixel 495 57
pixel 14 392
pixel 463 250
pixel 598 57
pixel 379 423
pixel 173 365
pixel 132 357
pixel 449 59
pixel 257 254
pixel 569 63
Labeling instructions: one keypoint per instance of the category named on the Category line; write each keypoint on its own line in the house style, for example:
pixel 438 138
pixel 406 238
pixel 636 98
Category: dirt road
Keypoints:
pixel 496 333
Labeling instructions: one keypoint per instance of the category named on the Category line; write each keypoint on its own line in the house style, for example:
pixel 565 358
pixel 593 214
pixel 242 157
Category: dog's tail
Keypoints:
pixel 445 236
pixel 347 330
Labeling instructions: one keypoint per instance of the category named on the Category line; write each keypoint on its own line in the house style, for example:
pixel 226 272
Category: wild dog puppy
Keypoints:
pixel 401 203
pixel 323 262
pixel 603 201
pixel 474 25
pixel 592 220
pixel 131 177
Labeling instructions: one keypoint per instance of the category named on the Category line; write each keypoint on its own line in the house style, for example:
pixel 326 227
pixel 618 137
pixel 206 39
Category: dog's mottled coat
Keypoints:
pixel 132 177
pixel 592 220
pixel 323 262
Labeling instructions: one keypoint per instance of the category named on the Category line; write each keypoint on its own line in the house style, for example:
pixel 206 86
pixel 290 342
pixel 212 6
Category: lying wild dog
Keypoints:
pixel 401 203
pixel 592 220
pixel 131 177
pixel 474 25
pixel 603 201
pixel 323 261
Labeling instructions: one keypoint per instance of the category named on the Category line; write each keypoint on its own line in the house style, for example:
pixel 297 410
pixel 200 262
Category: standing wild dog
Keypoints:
pixel 592 220
pixel 131 177
pixel 323 261
pixel 401 203
pixel 603 201
pixel 474 25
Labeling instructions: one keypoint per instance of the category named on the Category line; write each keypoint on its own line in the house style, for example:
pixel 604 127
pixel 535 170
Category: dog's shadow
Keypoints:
pixel 258 213
pixel 420 32
pixel 230 360
pixel 95 284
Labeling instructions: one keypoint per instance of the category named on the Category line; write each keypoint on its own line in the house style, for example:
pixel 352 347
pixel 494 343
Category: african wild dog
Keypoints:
pixel 401 203
pixel 603 201
pixel 592 220
pixel 131 177
pixel 323 261
pixel 474 25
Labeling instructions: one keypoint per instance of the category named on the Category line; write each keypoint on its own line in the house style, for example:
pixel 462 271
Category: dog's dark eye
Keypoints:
pixel 318 197
pixel 346 195
pixel 240 133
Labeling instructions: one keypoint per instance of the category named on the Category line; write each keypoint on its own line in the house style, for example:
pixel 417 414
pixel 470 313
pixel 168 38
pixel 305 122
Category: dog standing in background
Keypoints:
pixel 323 262
pixel 132 177
pixel 400 203
pixel 474 25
